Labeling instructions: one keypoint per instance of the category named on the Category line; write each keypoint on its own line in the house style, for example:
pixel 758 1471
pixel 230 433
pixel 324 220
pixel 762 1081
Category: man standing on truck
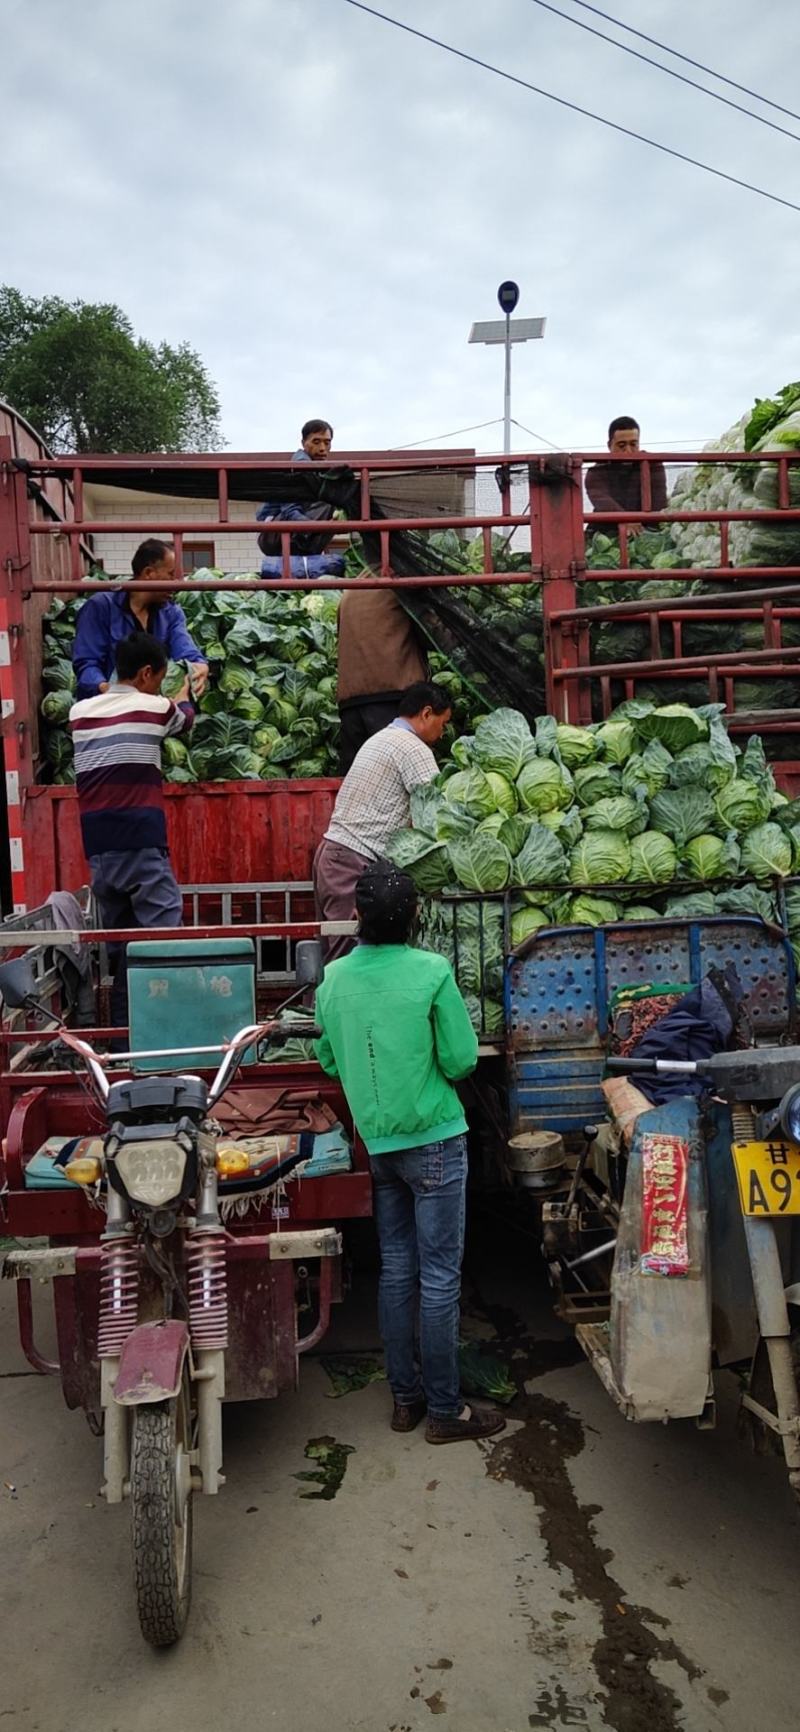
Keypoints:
pixel 397 1032
pixel 618 486
pixel 117 738
pixel 316 440
pixel 373 801
pixel 380 655
pixel 108 616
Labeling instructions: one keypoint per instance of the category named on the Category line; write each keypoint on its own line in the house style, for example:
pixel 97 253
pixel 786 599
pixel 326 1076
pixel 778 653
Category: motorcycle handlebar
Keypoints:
pixel 656 1066
pixel 231 1060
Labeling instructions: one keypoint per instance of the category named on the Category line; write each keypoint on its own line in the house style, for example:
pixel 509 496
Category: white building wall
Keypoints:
pixel 232 551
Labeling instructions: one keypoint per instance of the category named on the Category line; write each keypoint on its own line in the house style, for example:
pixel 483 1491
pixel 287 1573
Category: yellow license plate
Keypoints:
pixel 769 1177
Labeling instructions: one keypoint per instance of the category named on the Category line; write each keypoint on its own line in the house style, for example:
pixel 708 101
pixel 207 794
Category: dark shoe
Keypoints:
pixel 407 1418
pixel 479 1424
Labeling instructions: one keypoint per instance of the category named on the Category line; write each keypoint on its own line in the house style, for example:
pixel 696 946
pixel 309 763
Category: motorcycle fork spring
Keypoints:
pixel 208 1289
pixel 119 1295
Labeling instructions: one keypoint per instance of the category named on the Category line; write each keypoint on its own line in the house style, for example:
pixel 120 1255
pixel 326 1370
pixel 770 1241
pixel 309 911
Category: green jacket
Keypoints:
pixel 397 1033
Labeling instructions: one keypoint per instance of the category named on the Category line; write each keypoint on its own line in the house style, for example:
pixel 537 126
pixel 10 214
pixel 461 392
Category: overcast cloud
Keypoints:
pixel 322 205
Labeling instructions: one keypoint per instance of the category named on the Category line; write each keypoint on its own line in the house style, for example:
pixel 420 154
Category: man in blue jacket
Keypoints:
pixel 108 616
pixel 317 438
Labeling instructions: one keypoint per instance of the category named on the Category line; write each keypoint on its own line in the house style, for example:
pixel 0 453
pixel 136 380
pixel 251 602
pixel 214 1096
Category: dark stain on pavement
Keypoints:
pixel 535 1458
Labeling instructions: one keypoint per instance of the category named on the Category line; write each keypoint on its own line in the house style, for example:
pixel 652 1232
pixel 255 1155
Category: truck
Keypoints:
pixel 243 854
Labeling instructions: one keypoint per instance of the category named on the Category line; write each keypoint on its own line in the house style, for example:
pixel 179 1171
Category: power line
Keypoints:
pixel 574 107
pixel 670 70
pixel 453 434
pixel 539 436
pixel 687 59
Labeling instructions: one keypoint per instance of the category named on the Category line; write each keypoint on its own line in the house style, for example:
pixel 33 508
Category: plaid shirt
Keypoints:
pixel 374 797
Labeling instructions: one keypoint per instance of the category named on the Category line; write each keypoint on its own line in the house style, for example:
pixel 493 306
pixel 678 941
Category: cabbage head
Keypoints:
pixel 472 790
pixel 747 899
pixel 576 745
pixel 541 859
pixel 600 857
pixel 766 852
pixel 617 812
pixel 426 862
pixel 675 725
pixel 711 765
pixel 543 786
pixel 480 862
pixel 683 813
pixel 616 741
pixel 526 921
pixel 504 791
pixel 515 830
pixel 493 824
pixel 654 858
pixel 640 911
pixel 596 782
pixel 649 769
pixel 695 906
pixel 741 805
pixel 593 910
pixel 567 826
pixel 708 857
pixel 55 707
pixel 503 742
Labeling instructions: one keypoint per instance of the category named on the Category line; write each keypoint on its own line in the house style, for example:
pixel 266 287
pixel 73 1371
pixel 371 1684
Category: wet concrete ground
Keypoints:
pixel 578 1571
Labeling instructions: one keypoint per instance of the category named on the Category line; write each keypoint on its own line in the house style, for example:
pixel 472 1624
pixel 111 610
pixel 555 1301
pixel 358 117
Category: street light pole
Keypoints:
pixel 507 331
pixel 507 392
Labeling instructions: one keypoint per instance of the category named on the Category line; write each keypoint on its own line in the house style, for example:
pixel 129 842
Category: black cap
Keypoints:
pixel 384 890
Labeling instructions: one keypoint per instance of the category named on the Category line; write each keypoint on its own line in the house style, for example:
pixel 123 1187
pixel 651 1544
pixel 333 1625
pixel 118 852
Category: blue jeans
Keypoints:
pixel 135 888
pixel 420 1206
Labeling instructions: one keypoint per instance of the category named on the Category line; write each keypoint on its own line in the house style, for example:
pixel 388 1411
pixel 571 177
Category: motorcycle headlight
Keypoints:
pixel 152 1172
pixel 789 1113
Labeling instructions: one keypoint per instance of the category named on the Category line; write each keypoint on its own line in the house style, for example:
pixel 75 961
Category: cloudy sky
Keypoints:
pixel 322 205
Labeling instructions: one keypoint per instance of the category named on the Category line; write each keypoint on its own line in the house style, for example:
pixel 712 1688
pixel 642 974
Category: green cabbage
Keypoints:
pixel 600 857
pixel 596 782
pixel 55 706
pixel 766 852
pixel 567 826
pixel 711 857
pixel 618 812
pixel 593 910
pixel 480 862
pixel 654 858
pixel 675 725
pixel 472 790
pixel 640 911
pixel 526 921
pixel 505 794
pixel 541 859
pixel 543 786
pixel 616 740
pixel 741 805
pixel 503 742
pixel 425 861
pixel 692 907
pixel 649 770
pixel 682 813
pixel 747 899
pixel 576 745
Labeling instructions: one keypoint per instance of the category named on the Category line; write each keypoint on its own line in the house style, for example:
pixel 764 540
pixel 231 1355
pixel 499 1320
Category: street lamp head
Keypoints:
pixel 508 295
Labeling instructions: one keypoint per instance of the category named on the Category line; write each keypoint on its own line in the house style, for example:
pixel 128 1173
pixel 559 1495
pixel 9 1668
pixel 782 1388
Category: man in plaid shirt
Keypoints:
pixel 373 801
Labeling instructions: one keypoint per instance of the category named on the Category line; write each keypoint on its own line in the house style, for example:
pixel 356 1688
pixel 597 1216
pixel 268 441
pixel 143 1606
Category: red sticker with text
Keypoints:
pixel 665 1238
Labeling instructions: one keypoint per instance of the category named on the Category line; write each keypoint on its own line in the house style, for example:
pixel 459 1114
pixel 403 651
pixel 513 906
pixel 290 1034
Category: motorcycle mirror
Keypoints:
pixel 308 966
pixel 17 983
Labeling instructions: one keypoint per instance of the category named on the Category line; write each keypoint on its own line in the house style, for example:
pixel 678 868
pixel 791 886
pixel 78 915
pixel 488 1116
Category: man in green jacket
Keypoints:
pixel 396 1031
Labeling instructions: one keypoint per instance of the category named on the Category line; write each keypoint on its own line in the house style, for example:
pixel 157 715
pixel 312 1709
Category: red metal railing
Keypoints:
pixel 43 554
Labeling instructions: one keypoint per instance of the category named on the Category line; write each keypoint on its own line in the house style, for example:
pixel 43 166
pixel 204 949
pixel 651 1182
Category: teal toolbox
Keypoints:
pixel 189 992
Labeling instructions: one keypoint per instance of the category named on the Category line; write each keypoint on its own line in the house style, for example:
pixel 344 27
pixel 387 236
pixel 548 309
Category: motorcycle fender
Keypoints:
pixel 151 1363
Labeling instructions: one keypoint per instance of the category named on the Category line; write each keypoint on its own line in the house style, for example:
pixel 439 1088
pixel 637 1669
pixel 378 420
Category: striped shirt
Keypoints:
pixel 117 739
pixel 374 797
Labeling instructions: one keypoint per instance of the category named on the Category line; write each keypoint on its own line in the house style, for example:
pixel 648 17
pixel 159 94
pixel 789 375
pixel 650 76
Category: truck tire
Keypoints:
pixel 162 1543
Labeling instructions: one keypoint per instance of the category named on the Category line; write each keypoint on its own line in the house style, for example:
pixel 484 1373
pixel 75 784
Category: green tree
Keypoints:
pixel 78 373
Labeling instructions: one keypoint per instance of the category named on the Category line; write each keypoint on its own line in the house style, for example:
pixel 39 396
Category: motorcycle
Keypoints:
pixel 163 1261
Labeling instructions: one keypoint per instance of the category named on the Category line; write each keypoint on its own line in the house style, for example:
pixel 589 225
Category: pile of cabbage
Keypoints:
pixel 270 708
pixel 654 812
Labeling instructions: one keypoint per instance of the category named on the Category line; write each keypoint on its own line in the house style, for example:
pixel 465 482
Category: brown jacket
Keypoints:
pixel 379 651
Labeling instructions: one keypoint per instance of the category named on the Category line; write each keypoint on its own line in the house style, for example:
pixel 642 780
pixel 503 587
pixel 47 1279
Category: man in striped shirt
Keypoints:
pixel 117 740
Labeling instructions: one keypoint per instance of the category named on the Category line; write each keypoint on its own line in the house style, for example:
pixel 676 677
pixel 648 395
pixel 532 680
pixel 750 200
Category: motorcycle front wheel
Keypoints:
pixel 161 1518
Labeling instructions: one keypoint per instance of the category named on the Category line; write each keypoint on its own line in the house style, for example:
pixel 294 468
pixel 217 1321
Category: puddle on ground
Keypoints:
pixel 332 1459
pixel 535 1458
